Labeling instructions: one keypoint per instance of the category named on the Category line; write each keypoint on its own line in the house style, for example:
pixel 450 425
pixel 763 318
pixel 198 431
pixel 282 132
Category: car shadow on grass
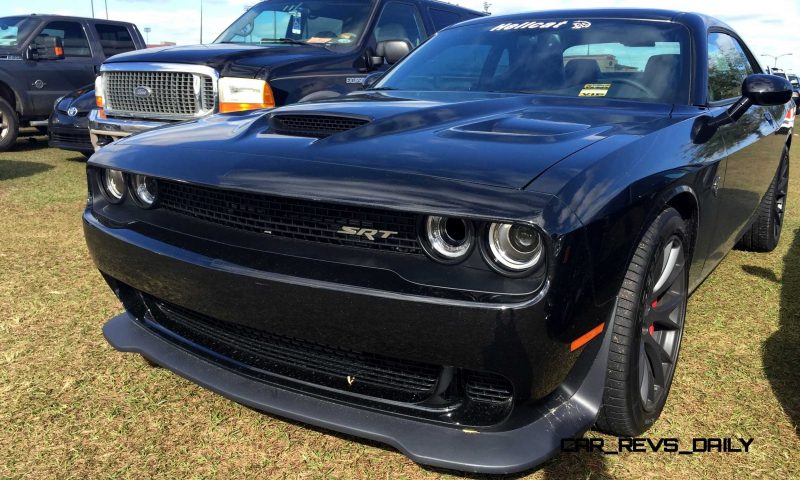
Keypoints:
pixel 782 349
pixel 11 169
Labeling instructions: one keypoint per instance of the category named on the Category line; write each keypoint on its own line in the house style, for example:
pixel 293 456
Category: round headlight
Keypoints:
pixel 515 248
pixel 449 239
pixel 113 185
pixel 145 190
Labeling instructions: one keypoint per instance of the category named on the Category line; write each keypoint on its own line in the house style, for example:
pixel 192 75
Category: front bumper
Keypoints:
pixel 69 133
pixel 508 338
pixel 445 447
pixel 104 130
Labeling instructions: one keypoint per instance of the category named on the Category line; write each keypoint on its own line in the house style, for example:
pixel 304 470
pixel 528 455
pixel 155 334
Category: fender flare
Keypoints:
pixel 16 86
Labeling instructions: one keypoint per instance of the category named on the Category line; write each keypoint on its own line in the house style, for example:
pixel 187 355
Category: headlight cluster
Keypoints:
pixel 513 249
pixel 115 184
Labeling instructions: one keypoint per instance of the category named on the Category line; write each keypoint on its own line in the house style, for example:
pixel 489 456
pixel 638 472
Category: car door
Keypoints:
pixel 753 148
pixel 49 79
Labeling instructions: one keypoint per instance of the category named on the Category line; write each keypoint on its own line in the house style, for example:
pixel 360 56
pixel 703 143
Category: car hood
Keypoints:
pixel 490 139
pixel 221 55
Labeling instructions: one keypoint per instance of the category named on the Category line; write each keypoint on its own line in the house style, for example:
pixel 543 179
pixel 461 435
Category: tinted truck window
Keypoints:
pixel 443 18
pixel 72 36
pixel 400 21
pixel 114 39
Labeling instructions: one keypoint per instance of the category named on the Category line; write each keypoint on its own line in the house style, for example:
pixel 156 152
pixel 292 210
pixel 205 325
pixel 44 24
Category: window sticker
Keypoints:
pixel 297 27
pixel 595 90
pixel 539 25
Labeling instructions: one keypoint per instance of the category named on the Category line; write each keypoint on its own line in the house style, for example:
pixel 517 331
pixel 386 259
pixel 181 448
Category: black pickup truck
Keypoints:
pixel 45 57
pixel 278 52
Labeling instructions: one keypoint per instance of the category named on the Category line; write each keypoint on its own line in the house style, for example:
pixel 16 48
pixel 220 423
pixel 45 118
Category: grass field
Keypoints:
pixel 72 407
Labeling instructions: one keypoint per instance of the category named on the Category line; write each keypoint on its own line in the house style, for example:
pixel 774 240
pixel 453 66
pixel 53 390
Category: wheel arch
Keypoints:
pixel 684 200
pixel 9 95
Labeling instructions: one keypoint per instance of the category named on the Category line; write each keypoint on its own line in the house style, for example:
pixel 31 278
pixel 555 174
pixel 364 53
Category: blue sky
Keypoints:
pixel 775 32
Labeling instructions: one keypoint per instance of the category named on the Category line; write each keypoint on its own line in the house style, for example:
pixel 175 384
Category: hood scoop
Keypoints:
pixel 313 125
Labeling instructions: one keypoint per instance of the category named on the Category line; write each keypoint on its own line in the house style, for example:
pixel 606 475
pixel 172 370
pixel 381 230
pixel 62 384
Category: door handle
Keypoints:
pixel 769 119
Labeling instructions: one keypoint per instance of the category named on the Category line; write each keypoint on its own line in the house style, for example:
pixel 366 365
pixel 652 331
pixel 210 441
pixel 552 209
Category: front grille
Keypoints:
pixel 77 139
pixel 318 126
pixel 270 354
pixel 172 95
pixel 290 218
pixel 487 387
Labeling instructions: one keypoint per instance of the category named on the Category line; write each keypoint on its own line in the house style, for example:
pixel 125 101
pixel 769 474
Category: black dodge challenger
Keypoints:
pixel 486 251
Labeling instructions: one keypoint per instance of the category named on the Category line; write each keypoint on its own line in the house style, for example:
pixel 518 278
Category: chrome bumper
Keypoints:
pixel 116 128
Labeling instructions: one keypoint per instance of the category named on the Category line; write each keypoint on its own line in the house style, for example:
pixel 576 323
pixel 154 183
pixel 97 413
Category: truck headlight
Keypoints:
pixel 514 248
pixel 237 94
pixel 113 183
pixel 98 92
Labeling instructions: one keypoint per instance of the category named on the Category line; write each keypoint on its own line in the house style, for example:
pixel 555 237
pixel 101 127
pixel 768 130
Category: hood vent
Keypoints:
pixel 317 126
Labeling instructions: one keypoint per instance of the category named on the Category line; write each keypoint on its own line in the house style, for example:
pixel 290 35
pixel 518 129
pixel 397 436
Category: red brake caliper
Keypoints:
pixel 652 327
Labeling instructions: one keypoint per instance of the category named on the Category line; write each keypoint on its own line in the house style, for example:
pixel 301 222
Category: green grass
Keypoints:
pixel 72 407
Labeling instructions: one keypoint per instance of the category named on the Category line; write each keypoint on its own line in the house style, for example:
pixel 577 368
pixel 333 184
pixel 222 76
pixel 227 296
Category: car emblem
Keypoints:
pixel 142 91
pixel 368 233
pixel 72 111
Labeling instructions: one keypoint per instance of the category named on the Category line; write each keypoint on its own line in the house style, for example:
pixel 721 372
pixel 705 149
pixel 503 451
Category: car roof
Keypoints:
pixel 628 13
pixel 452 7
pixel 50 16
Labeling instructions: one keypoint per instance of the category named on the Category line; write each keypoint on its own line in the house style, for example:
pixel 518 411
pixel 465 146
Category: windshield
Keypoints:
pixel 327 22
pixel 795 81
pixel 14 30
pixel 627 59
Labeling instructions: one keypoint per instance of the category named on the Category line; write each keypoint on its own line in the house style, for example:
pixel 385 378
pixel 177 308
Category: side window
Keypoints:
pixel 400 21
pixel 72 36
pixel 114 39
pixel 443 18
pixel 727 67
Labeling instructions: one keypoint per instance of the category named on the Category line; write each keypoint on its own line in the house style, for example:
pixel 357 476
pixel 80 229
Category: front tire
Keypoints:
pixel 647 329
pixel 9 126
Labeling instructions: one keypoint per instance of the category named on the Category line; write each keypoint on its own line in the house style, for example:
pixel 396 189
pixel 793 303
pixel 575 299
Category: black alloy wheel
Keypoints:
pixel 664 310
pixel 647 328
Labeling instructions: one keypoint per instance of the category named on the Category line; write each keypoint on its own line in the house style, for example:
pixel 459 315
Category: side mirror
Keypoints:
pixel 46 48
pixel 371 79
pixel 757 89
pixel 393 50
pixel 767 90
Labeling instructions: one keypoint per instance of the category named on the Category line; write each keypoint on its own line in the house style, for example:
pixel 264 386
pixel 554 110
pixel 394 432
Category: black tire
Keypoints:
pixel 9 126
pixel 648 326
pixel 765 233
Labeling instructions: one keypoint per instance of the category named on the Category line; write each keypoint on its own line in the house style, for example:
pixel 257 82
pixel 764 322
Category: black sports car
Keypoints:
pixel 487 251
pixel 68 126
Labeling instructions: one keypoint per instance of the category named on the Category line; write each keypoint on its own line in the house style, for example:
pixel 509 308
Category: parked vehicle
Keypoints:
pixel 277 53
pixel 486 252
pixel 68 126
pixel 795 81
pixel 47 56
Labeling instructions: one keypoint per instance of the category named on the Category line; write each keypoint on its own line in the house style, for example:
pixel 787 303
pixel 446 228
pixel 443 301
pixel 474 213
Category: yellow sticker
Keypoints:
pixel 595 90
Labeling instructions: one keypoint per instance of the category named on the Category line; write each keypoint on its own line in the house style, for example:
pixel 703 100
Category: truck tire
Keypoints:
pixel 9 126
